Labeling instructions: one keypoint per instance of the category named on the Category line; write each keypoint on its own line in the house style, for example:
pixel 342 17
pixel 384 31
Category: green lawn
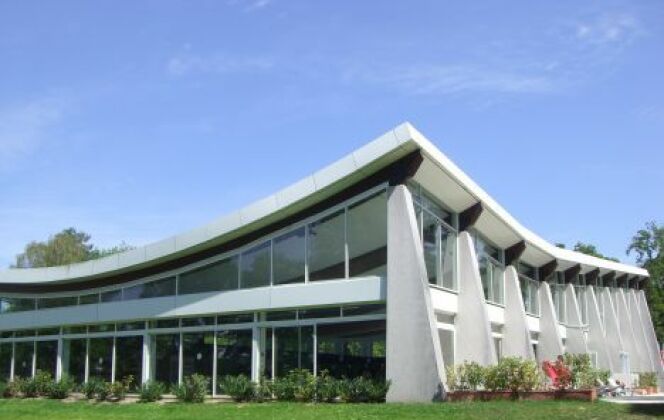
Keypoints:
pixel 45 409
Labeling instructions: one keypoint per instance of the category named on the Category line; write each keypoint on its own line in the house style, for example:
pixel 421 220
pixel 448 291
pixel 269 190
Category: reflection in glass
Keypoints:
pixel 221 275
pixel 5 361
pixel 73 358
pixel 166 353
pixel 197 353
pixel 367 237
pixel 101 356
pixel 23 352
pixel 255 266
pixel 352 349
pixel 234 353
pixel 152 289
pixel 448 253
pixel 129 358
pixel 47 355
pixel 325 248
pixel 288 257
pixel 430 244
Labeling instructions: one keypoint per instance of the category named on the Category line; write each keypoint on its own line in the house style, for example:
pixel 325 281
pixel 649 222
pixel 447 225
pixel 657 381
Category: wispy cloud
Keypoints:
pixel 453 79
pixel 216 63
pixel 650 113
pixel 23 127
pixel 250 5
pixel 608 29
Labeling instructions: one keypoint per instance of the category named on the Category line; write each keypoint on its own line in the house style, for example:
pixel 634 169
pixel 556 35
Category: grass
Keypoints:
pixel 41 409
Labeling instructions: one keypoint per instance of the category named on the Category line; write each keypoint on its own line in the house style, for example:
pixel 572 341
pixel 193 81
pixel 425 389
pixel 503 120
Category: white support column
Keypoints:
pixel 596 335
pixel 58 360
pixel 474 341
pixel 214 364
pixel 639 327
pixel 113 361
pixel 550 342
pixel 576 338
pixel 637 355
pixel 146 360
pixel 180 360
pixel 87 360
pixel 614 342
pixel 516 335
pixel 414 356
pixel 255 353
pixel 34 358
pixel 651 336
pixel 11 367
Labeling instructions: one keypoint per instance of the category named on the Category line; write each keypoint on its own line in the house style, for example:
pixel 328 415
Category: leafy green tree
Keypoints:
pixel 66 247
pixel 590 249
pixel 648 245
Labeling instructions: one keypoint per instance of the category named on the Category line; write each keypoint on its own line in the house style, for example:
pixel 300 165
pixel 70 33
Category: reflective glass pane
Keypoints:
pixel 325 248
pixel 448 251
pixel 430 245
pixel 129 359
pixel 89 299
pixel 16 304
pixel 498 284
pixel 57 302
pixel 5 361
pixel 288 257
pixel 112 296
pixel 352 349
pixel 447 346
pixel 101 355
pixel 255 266
pixel 486 271
pixel 23 352
pixel 367 237
pixel 221 275
pixel 153 289
pixel 166 348
pixel 47 355
pixel 197 354
pixel 234 353
pixel 293 349
pixel 235 318
pixel 73 359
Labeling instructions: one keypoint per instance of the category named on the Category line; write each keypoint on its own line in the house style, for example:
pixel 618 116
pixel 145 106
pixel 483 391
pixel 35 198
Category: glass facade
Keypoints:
pixel 47 352
pixel 580 290
pixel 557 285
pixel 490 260
pixel 529 288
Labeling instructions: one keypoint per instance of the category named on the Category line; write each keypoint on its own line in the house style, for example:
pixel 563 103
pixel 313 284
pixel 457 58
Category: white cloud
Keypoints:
pixel 216 63
pixel 23 127
pixel 607 29
pixel 250 5
pixel 445 80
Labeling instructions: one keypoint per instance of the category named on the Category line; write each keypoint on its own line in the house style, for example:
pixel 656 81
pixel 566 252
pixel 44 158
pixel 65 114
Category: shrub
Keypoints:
pixel 28 387
pixel 469 375
pixel 562 372
pixel 59 390
pixel 451 378
pixel 118 389
pixel 103 391
pixel 93 387
pixel 327 387
pixel 12 389
pixel 193 389
pixel 151 392
pixel 647 379
pixel 263 390
pixel 361 389
pixel 43 381
pixel 283 389
pixel 304 383
pixel 579 365
pixel 239 388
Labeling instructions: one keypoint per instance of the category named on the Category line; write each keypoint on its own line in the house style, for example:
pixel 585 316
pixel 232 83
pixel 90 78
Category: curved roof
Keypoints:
pixel 460 190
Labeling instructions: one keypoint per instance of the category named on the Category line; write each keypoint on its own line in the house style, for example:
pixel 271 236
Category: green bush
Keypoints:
pixel 647 379
pixel 451 378
pixel 510 374
pixel 12 389
pixel 118 390
pixel 263 390
pixel 283 389
pixel 93 387
pixel 42 382
pixel 239 388
pixel 59 390
pixel 28 387
pixel 360 390
pixel 193 389
pixel 327 388
pixel 469 375
pixel 151 392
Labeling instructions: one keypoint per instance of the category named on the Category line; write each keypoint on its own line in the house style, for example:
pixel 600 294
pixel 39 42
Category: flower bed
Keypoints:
pixel 574 394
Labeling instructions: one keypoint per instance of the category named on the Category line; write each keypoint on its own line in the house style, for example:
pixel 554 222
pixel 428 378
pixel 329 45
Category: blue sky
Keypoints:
pixel 137 120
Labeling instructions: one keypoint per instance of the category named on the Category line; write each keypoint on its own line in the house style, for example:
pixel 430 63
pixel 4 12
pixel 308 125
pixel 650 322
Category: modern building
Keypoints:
pixel 390 262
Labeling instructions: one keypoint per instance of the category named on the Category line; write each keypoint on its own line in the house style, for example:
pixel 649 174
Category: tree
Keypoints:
pixel 588 249
pixel 66 247
pixel 648 245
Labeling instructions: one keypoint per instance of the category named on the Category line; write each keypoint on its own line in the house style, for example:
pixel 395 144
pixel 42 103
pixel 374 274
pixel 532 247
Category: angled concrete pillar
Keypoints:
pixel 651 337
pixel 638 358
pixel 474 342
pixel 516 335
pixel 596 337
pixel 612 335
pixel 576 338
pixel 639 327
pixel 550 342
pixel 414 357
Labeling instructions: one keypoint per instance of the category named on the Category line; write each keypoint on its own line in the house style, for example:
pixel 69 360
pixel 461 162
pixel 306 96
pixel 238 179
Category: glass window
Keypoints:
pixel 280 315
pixel 73 358
pixel 23 352
pixel 166 348
pixel 102 328
pixel 534 297
pixel 288 257
pixel 446 338
pixel 448 242
pixel 131 326
pixel 293 349
pixel 5 361
pixel 56 302
pixel 235 318
pixel 89 299
pixel 333 312
pixel 197 354
pixel 352 349
pixel 430 245
pixel 255 266
pixel 47 354
pixel 430 205
pixel 48 331
pixel 16 304
pixel 112 296
pixel 234 350
pixel 221 275
pixel 357 310
pixel 152 289
pixel 367 237
pixel 325 248
pixel 129 359
pixel 76 329
pixel 165 323
pixel 198 322
pixel 498 284
pixel 101 356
